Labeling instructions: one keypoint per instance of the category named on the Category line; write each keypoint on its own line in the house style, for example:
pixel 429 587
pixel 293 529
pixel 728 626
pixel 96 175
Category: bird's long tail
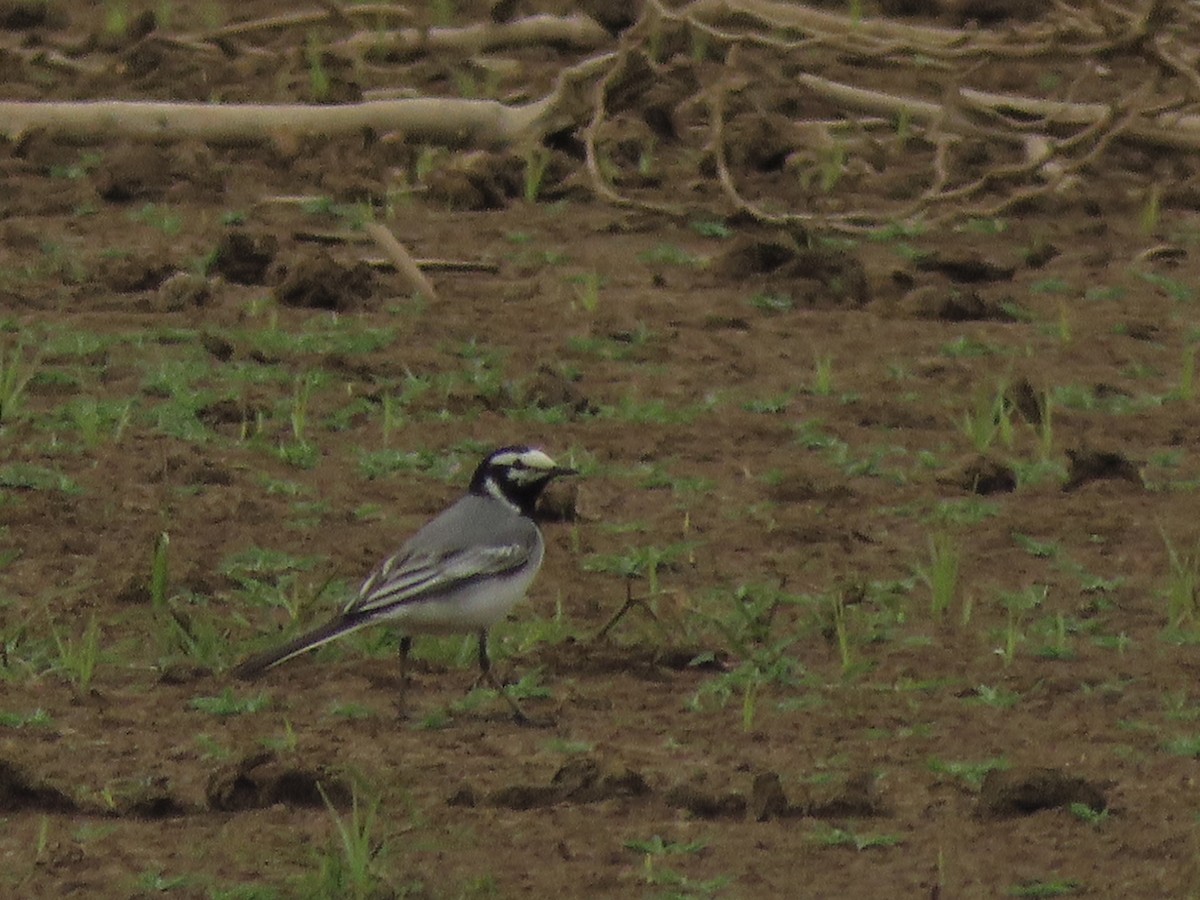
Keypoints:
pixel 268 659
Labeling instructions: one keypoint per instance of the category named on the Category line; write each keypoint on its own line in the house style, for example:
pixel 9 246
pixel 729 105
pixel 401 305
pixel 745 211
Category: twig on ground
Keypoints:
pixel 452 121
pixel 440 265
pixel 425 265
pixel 406 266
pixel 631 602
pixel 598 182
pixel 575 32
pixel 379 12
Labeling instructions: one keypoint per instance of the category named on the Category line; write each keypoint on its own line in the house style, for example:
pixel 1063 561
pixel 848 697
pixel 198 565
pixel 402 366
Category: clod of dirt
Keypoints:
pixel 724 322
pixel 692 659
pixel 613 15
pixel 1086 464
pixel 227 411
pixel 145 798
pixel 585 780
pixel 888 415
pixel 145 58
pixel 805 485
pixel 966 267
pixel 19 15
pixel 841 277
pixel 1141 329
pixel 760 142
pixel 626 141
pixel 219 347
pixel 857 797
pixel 980 473
pixel 706 803
pixel 206 472
pixel 476 181
pixel 53 388
pixel 465 795
pixel 588 780
pixel 558 503
pixel 20 790
pixel 133 172
pixel 524 796
pixel 319 281
pixel 767 799
pixel 929 8
pixel 183 290
pixel 135 29
pixel 992 12
pixel 747 255
pixel 1040 253
pixel 817 277
pixel 135 591
pixel 550 389
pixel 243 257
pixel 181 672
pixel 1025 399
pixel 502 10
pixel 262 780
pixel 1020 792
pixel 930 302
pixel 131 274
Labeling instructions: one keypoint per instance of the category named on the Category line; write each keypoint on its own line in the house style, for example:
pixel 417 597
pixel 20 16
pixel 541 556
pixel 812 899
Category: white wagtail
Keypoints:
pixel 463 571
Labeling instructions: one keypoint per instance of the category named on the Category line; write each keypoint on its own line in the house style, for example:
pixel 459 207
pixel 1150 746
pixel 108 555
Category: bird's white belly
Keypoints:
pixel 471 607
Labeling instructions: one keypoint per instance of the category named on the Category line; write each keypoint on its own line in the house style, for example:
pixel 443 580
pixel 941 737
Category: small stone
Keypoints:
pixel 767 799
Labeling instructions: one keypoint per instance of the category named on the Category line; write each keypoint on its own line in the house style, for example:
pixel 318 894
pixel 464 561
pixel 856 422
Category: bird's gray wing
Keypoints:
pixel 413 577
pixel 474 538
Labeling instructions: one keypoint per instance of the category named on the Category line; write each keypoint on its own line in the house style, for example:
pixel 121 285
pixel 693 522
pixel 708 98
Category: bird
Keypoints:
pixel 461 572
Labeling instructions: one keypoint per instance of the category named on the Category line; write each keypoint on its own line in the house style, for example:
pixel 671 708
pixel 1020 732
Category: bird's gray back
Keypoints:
pixel 472 522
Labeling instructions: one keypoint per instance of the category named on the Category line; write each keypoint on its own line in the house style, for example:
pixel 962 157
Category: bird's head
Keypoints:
pixel 516 476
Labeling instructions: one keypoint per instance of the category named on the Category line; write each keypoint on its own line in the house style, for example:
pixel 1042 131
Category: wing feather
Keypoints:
pixel 414 577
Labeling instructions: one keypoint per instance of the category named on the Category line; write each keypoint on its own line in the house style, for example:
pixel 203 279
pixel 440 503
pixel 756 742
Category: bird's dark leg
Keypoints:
pixel 405 648
pixel 485 670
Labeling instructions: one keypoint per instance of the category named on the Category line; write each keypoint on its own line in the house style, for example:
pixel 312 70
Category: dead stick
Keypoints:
pixel 310 17
pixel 431 119
pixel 578 32
pixel 406 267
pixel 442 265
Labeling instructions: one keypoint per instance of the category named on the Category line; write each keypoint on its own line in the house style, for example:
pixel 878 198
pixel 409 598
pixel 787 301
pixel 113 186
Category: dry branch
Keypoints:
pixel 379 12
pixel 439 265
pixel 1178 130
pixel 453 121
pixel 574 32
pixel 406 266
pixel 798 17
pixel 1073 35
pixel 475 123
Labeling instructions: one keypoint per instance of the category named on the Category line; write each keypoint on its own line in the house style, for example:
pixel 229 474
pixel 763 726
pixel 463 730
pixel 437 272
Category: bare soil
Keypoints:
pixel 779 417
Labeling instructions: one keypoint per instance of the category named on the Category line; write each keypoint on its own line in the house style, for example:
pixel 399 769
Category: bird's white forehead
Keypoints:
pixel 530 459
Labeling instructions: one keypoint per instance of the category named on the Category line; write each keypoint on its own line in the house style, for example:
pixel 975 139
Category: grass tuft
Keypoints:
pixel 1183 577
pixel 352 867
pixel 14 379
pixel 77 658
pixel 941 574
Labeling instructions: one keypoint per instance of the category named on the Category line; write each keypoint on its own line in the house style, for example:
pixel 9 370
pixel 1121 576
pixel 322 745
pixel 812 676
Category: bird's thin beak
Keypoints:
pixel 559 471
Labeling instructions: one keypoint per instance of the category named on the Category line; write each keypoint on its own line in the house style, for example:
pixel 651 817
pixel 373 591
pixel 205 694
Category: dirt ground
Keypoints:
pixel 912 514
